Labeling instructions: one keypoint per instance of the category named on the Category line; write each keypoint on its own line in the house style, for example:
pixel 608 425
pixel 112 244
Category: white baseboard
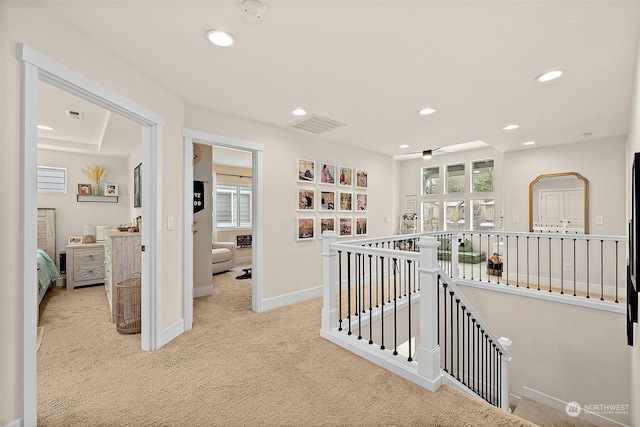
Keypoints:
pixel 16 423
pixel 560 405
pixel 202 291
pixel 171 332
pixel 287 299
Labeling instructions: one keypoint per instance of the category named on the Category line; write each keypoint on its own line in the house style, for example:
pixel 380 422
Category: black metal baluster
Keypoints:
pixel 473 355
pixel 550 265
pixel 364 280
pixel 574 267
pixel 359 302
pixel 506 264
pixel 616 267
pixel 469 351
pixel 538 246
pixel 378 278
pixel 451 336
pixel 463 343
pixel 588 283
pixel 382 307
pixel 395 308
pixel 561 266
pixel 602 270
pixel 457 339
pixel 389 269
pixel 409 358
pixel 444 322
pixel 349 291
pixel 339 290
pixel 499 379
pixel 527 262
pixel 370 299
pixel 481 363
pixel 517 261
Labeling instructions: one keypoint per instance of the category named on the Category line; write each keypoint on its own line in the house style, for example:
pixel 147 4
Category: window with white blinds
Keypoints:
pixel 232 206
pixel 52 180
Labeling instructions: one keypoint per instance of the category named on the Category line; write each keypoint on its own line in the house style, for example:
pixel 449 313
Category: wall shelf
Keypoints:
pixel 97 199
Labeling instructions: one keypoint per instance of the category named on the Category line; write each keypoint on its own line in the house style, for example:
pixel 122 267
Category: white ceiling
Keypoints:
pixel 373 64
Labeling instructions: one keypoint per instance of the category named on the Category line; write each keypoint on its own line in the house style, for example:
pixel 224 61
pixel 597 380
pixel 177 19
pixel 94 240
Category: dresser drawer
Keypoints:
pixel 88 271
pixel 90 256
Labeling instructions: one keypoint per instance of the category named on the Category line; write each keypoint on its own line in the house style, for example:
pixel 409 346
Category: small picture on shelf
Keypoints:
pixel 110 189
pixel 84 189
pixel 75 240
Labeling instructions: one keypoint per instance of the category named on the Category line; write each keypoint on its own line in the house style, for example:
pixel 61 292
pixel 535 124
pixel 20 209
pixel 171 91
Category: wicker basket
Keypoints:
pixel 128 307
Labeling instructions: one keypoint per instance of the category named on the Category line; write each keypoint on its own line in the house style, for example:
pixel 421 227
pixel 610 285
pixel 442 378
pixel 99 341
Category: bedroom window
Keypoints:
pixel 52 180
pixel 233 206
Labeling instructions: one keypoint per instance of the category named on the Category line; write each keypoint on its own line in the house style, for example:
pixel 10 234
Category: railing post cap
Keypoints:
pixel 428 241
pixel 328 234
pixel 506 342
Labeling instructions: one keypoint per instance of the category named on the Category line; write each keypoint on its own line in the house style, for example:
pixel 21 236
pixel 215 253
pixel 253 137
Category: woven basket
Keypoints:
pixel 128 305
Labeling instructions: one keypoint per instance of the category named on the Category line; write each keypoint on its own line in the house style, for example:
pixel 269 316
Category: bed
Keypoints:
pixel 47 270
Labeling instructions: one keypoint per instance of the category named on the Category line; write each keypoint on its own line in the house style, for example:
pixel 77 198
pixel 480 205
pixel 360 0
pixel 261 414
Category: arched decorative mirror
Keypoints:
pixel 559 203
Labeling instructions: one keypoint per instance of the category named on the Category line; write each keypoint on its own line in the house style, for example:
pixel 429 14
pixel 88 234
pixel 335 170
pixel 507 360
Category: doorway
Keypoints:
pixel 256 149
pixel 36 68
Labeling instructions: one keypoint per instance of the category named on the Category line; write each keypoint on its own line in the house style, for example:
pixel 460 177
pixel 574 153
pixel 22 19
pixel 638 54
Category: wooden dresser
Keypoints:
pixel 85 264
pixel 122 258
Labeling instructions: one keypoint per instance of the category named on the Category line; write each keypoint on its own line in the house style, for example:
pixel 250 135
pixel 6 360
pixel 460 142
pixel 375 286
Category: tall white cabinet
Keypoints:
pixel 122 258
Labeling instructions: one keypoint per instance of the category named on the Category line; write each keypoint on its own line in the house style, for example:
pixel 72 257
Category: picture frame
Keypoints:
pixel 306 171
pixel 327 173
pixel 306 199
pixel 345 175
pixel 361 202
pixel 327 224
pixel 75 240
pixel 361 226
pixel 84 189
pixel 346 225
pixel 305 228
pixel 362 178
pixel 137 186
pixel 327 200
pixel 345 201
pixel 110 189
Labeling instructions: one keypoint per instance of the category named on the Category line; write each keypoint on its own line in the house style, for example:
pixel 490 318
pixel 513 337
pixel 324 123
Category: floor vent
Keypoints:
pixel 317 124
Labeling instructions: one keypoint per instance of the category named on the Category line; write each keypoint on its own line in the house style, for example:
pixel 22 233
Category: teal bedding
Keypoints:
pixel 48 271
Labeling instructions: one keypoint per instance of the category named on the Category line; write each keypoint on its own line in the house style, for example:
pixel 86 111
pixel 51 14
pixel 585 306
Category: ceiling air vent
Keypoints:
pixel 317 124
pixel 74 114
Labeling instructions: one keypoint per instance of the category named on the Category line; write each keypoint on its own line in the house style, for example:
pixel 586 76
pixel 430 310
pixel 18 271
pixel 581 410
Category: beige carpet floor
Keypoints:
pixel 235 368
pixel 545 416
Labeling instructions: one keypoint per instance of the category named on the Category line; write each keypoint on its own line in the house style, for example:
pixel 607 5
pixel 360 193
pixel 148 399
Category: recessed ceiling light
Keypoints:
pixel 298 112
pixel 403 146
pixel 220 38
pixel 528 143
pixel 549 75
pixel 426 111
pixel 511 126
pixel 43 127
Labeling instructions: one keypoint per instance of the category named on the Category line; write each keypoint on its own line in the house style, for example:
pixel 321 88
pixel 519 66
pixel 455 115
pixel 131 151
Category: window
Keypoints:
pixel 482 177
pixel 455 215
pixel 430 216
pixel 455 178
pixel 430 180
pixel 233 206
pixel 483 214
pixel 52 180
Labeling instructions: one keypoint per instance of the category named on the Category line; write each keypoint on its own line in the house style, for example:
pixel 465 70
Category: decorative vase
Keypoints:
pixel 97 190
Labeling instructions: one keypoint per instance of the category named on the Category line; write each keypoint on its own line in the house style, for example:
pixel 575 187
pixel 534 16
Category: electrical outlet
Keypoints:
pixel 599 220
pixel 567 267
pixel 170 223
pixel 516 219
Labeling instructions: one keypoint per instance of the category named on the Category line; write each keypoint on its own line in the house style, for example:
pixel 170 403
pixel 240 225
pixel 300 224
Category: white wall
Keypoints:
pixel 289 265
pixel 71 215
pixel 602 162
pixel 571 353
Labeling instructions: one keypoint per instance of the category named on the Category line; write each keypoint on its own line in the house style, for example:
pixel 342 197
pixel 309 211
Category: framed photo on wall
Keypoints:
pixel 327 173
pixel 361 202
pixel 327 224
pixel 361 178
pixel 137 186
pixel 345 226
pixel 345 200
pixel 345 176
pixel 306 199
pixel 327 200
pixel 361 226
pixel 306 228
pixel 306 170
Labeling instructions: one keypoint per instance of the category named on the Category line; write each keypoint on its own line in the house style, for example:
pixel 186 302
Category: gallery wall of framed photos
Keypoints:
pixel 330 197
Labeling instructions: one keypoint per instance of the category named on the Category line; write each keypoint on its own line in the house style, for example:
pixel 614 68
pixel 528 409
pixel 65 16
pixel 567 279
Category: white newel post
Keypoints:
pixel 429 350
pixel 504 382
pixel 329 310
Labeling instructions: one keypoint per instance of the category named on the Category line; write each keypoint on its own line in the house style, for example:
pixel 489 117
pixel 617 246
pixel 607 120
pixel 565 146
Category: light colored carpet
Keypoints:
pixel 545 416
pixel 235 368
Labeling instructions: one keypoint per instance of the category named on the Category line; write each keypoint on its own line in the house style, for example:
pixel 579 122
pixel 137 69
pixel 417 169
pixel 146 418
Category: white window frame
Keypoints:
pixel 235 223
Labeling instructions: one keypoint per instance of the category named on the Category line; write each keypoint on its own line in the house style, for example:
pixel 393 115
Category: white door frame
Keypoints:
pixel 38 67
pixel 193 136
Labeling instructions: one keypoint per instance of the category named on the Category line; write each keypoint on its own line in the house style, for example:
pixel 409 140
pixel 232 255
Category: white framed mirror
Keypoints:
pixel 559 203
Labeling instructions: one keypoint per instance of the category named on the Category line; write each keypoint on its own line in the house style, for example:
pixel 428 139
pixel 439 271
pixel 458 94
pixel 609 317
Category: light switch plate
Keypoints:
pixel 599 220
